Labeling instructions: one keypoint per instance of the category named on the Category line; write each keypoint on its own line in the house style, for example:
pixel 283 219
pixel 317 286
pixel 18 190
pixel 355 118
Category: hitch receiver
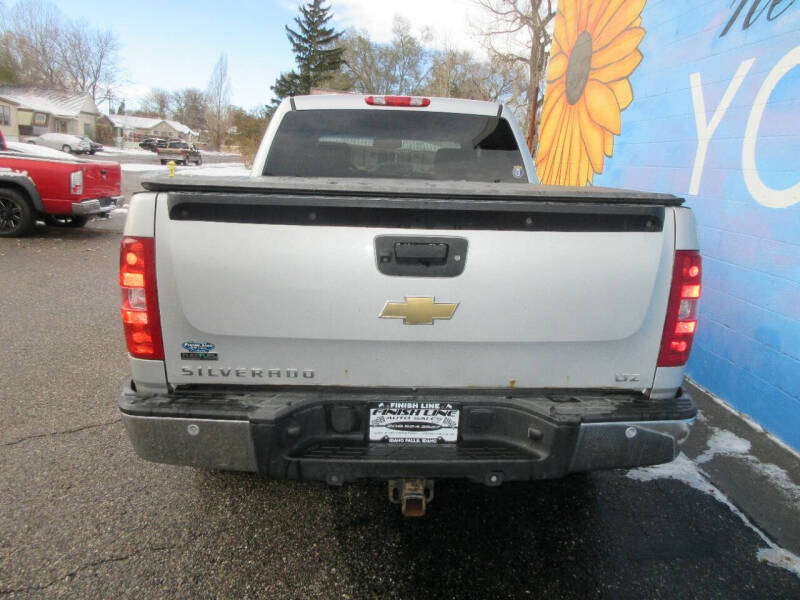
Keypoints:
pixel 413 495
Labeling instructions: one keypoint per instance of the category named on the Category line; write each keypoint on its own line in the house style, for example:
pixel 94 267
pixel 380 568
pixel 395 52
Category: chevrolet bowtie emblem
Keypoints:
pixel 418 311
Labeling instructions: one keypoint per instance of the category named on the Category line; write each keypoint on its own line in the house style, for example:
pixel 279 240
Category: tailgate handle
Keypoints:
pixel 420 256
pixel 426 253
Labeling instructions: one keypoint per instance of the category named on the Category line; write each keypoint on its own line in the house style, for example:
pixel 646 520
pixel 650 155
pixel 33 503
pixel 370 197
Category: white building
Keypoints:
pixel 135 129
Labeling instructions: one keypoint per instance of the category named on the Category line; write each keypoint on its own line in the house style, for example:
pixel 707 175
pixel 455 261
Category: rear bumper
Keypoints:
pixel 322 435
pixel 96 206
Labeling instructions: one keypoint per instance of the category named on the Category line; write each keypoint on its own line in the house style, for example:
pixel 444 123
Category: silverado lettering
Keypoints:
pixel 245 372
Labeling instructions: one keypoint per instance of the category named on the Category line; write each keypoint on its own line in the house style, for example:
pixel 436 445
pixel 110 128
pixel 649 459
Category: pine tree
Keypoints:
pixel 315 54
pixel 288 84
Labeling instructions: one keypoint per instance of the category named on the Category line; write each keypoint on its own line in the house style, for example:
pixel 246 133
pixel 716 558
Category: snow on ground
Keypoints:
pixel 216 153
pixel 727 443
pixel 36 150
pixel 687 471
pixel 724 442
pixel 225 169
pixel 130 167
pixel 113 151
pixel 778 557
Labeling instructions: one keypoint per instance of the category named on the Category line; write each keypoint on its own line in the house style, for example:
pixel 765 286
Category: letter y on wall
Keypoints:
pixel 705 129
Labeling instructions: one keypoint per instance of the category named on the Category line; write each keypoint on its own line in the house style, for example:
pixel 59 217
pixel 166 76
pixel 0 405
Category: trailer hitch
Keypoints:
pixel 413 495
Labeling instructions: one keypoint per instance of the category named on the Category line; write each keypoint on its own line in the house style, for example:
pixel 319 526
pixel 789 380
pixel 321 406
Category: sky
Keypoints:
pixel 176 45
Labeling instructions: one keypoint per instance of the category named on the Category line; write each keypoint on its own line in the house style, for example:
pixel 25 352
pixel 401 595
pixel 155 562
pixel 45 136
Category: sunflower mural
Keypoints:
pixel 594 51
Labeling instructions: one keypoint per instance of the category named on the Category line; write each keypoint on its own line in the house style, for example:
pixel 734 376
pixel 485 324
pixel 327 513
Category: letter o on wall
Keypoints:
pixel 762 193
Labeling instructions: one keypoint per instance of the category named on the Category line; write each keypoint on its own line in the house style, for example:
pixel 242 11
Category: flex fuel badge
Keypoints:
pixel 198 351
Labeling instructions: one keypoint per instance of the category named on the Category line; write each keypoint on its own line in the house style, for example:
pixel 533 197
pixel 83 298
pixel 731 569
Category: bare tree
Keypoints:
pixel 89 58
pixel 455 73
pixel 411 59
pixel 527 21
pixel 219 102
pixel 189 106
pixel 458 74
pixel 156 104
pixel 506 82
pixel 33 32
pixel 400 67
pixel 9 69
pixel 361 66
pixel 52 51
pixel 407 65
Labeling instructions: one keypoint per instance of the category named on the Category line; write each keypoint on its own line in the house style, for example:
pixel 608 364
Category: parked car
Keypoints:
pixel 318 320
pixel 94 146
pixel 56 188
pixel 150 144
pixel 181 152
pixel 65 142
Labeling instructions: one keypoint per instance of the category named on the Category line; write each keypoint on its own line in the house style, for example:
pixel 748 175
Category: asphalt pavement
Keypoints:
pixel 82 517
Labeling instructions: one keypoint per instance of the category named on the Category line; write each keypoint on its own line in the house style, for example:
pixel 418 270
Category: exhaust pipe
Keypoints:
pixel 413 495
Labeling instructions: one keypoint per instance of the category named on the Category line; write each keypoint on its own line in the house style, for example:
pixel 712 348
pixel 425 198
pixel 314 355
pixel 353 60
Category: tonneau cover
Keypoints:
pixel 404 188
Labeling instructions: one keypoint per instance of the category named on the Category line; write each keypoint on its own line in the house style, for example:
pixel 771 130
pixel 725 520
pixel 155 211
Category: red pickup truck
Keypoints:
pixel 60 191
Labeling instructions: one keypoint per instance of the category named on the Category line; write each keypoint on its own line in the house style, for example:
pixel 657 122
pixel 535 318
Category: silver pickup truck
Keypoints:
pixel 391 295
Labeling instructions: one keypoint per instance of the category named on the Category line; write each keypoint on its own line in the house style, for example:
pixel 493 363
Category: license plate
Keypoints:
pixel 413 422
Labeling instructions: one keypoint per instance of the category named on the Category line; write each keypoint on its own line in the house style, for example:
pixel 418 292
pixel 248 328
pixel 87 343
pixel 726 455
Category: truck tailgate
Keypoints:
pixel 554 292
pixel 101 179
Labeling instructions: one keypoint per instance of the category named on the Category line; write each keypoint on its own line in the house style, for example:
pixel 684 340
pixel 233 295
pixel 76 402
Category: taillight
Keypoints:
pixel 681 322
pixel 76 182
pixel 397 101
pixel 137 278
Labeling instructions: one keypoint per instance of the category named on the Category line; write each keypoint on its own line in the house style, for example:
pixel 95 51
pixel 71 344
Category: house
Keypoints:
pixel 29 111
pixel 135 129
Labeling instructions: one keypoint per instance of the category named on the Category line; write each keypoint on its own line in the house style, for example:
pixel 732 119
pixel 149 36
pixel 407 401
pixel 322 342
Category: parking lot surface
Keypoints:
pixel 82 517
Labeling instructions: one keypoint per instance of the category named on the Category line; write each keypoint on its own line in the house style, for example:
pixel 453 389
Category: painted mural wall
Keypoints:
pixel 700 98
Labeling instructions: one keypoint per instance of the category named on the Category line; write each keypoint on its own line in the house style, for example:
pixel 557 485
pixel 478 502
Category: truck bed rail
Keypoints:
pixel 432 192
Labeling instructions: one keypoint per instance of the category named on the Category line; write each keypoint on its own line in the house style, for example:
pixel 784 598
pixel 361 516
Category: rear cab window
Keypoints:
pixel 397 144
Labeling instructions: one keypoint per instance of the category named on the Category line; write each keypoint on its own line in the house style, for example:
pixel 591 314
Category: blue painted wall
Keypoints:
pixel 701 58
